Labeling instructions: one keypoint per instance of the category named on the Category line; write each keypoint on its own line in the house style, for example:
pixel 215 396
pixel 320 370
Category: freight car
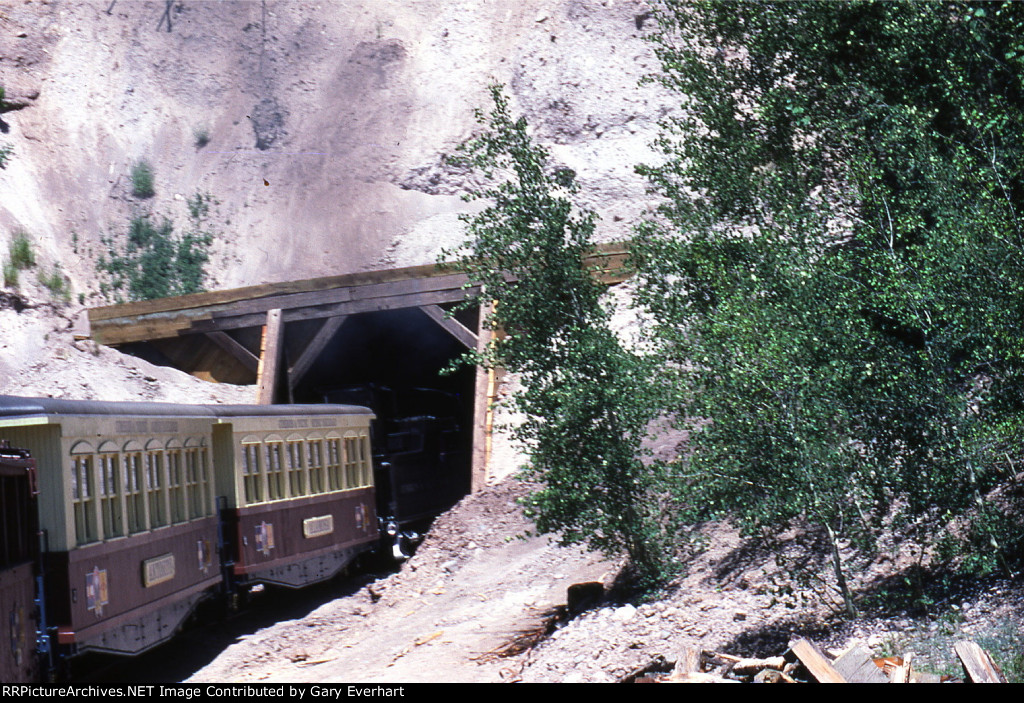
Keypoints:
pixel 144 509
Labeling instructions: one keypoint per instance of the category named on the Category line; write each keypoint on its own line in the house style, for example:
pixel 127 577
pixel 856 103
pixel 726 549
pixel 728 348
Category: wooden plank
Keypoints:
pixel 449 281
pixel 856 665
pixel 270 356
pixel 978 665
pixel 451 325
pixel 164 325
pixel 313 349
pixel 210 363
pixel 901 673
pixel 816 662
pixel 236 350
pixel 483 396
pixel 234 295
pixel 169 317
pixel 605 257
pixel 350 308
pixel 342 295
pixel 748 667
pixel 141 330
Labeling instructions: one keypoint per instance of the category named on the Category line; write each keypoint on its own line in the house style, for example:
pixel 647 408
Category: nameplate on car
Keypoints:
pixel 318 526
pixel 157 570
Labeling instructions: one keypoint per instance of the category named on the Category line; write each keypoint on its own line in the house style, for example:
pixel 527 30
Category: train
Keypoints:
pixel 119 518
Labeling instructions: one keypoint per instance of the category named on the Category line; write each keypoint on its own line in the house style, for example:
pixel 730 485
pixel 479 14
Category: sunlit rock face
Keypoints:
pixel 319 128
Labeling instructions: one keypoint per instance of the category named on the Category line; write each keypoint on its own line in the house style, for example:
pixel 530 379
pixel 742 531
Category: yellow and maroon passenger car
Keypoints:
pixel 297 481
pixel 146 508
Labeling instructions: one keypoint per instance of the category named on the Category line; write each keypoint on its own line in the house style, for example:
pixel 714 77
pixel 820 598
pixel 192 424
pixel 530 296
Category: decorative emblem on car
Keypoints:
pixel 265 538
pixel 205 555
pixel 97 591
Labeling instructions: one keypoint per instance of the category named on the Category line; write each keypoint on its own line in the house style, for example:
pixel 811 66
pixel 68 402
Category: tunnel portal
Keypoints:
pixel 378 338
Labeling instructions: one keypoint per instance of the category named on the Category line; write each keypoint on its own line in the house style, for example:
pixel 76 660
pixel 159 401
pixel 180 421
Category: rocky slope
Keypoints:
pixel 479 602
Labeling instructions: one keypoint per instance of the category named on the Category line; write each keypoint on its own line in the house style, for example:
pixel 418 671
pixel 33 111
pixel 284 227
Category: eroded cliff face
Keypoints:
pixel 320 127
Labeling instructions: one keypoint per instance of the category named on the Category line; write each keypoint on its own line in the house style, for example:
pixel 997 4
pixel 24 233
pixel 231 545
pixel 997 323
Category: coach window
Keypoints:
pixel 197 479
pixel 274 448
pixel 297 480
pixel 134 492
pixel 176 480
pixel 354 474
pixel 156 485
pixel 83 492
pixel 335 471
pixel 252 476
pixel 315 463
pixel 111 506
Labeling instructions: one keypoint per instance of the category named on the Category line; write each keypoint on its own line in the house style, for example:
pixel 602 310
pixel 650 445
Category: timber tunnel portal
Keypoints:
pixel 385 339
pixel 389 340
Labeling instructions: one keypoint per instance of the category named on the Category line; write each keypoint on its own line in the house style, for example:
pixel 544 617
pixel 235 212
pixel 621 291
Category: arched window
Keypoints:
pixel 294 456
pixel 315 463
pixel 174 456
pixel 133 481
pixel 83 492
pixel 273 453
pixel 335 471
pixel 252 470
pixel 110 490
pixel 156 484
pixel 197 479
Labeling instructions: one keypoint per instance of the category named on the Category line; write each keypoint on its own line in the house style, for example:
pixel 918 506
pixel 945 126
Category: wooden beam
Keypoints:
pixel 390 289
pixel 451 325
pixel 604 259
pixel 306 299
pixel 236 350
pixel 856 665
pixel 483 397
pixel 231 296
pixel 816 662
pixel 313 349
pixel 414 300
pixel 270 357
pixel 977 663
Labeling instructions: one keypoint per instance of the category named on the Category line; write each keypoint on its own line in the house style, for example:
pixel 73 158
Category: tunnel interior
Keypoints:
pixel 398 348
pixel 396 362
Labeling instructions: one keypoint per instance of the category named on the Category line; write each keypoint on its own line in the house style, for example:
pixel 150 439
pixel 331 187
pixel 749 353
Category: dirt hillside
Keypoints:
pixel 481 603
pixel 319 127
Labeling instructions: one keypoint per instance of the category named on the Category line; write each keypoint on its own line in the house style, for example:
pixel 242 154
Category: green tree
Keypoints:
pixel 585 398
pixel 837 272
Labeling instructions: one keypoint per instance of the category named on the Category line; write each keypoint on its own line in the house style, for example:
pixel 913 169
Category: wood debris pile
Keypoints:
pixel 806 663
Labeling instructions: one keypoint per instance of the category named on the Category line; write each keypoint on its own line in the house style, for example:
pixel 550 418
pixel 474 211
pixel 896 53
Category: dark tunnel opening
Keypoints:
pixel 394 362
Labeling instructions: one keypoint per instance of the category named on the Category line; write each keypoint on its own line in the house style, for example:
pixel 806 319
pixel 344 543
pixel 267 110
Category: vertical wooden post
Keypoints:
pixel 483 394
pixel 270 358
